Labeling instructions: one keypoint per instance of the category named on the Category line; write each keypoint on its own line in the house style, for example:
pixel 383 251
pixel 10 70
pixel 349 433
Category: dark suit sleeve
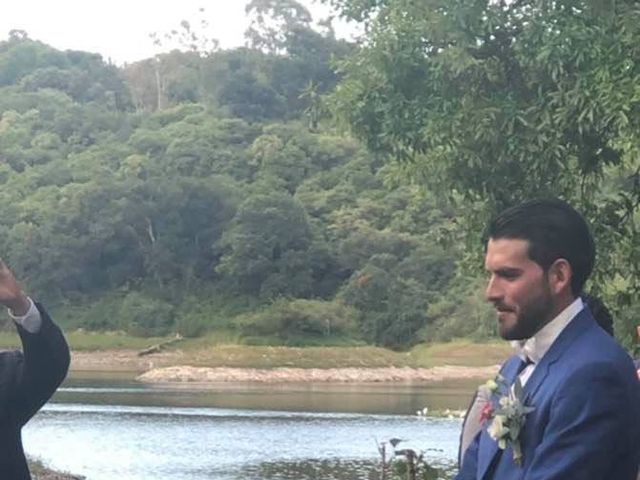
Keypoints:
pixel 39 369
pixel 587 426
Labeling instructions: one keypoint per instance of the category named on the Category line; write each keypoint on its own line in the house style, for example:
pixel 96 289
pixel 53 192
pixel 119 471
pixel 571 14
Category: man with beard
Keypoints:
pixel 29 377
pixel 582 395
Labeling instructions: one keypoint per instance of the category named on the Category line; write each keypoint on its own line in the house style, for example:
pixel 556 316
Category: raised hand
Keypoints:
pixel 11 294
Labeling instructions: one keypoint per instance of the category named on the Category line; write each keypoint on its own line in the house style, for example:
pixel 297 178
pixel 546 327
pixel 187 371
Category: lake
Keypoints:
pixel 111 427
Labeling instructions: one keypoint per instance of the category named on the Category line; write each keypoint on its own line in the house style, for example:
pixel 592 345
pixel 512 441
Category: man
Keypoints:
pixel 582 386
pixel 27 378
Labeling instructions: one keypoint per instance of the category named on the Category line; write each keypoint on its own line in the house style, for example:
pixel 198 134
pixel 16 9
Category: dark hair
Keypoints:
pixel 600 312
pixel 554 229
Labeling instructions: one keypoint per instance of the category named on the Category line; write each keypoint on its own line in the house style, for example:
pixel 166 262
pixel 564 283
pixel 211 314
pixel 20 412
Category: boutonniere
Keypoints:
pixel 507 416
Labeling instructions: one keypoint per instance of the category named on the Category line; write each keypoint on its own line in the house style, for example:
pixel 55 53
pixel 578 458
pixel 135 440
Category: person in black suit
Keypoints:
pixel 28 378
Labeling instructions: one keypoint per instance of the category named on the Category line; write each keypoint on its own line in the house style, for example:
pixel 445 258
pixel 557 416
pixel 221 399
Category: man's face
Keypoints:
pixel 518 288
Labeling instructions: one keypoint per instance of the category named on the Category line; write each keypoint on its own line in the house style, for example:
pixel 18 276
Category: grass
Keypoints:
pixel 88 341
pixel 225 348
pixel 463 353
pixel 460 352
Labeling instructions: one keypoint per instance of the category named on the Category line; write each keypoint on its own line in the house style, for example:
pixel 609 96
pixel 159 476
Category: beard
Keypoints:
pixel 528 319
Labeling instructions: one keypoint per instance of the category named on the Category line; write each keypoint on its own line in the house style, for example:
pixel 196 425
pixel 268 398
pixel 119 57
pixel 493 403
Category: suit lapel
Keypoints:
pixel 488 447
pixel 573 330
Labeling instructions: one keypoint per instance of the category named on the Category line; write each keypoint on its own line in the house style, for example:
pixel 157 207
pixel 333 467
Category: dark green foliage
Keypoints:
pixel 293 322
pixel 145 316
pixel 101 314
pixel 461 313
pixel 492 103
pixel 210 190
pixel 269 247
pixel 83 76
pixel 197 192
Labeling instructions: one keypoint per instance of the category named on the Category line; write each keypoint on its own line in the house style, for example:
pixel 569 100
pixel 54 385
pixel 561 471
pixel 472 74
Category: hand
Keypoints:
pixel 11 294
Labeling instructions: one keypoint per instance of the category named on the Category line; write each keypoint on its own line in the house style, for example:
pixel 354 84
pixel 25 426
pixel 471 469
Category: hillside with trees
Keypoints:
pixel 217 190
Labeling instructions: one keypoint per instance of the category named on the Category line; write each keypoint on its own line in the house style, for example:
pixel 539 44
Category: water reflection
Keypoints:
pixel 398 398
pixel 105 429
pixel 325 469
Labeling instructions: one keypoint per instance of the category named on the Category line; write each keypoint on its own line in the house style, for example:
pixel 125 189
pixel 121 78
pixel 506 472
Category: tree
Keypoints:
pixel 189 37
pixel 492 102
pixel 269 247
pixel 271 20
pixel 177 74
pixel 315 108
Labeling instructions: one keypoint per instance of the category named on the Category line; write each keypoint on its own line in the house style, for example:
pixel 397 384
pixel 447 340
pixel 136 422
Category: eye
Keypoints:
pixel 509 274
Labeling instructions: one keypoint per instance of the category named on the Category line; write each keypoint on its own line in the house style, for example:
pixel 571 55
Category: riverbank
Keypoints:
pixel 241 363
pixel 201 354
pixel 204 375
pixel 40 472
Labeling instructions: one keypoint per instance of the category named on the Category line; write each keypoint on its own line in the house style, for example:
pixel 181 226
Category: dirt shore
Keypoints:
pixel 51 475
pixel 123 360
pixel 177 367
pixel 182 374
pixel 40 472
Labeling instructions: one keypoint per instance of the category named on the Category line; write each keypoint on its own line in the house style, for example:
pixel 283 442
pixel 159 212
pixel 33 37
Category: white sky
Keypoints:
pixel 119 29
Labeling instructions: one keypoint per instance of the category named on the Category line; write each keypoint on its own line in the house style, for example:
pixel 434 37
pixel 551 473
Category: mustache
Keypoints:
pixel 502 307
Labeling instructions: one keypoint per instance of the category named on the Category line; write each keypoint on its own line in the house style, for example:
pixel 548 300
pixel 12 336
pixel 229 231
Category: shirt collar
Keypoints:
pixel 534 348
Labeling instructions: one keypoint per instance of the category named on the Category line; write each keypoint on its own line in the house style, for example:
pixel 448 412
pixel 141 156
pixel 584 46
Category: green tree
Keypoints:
pixel 269 247
pixel 271 20
pixel 300 321
pixel 494 102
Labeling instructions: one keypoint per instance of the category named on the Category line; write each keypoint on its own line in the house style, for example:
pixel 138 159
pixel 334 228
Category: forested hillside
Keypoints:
pixel 208 189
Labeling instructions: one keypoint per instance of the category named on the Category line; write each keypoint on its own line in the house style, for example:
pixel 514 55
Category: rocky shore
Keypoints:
pixel 188 374
pixel 40 472
pixel 51 475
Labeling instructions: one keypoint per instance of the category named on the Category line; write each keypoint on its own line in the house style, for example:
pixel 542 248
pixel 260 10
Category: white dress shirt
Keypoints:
pixel 30 321
pixel 536 347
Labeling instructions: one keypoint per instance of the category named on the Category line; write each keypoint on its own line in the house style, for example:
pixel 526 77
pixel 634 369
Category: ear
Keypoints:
pixel 559 275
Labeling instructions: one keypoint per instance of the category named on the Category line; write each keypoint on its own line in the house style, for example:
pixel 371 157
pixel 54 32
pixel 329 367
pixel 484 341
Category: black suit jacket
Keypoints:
pixel 27 381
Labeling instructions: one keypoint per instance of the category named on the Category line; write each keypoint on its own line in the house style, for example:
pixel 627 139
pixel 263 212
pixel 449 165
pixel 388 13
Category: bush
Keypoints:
pixel 463 313
pixel 210 310
pixel 299 321
pixel 97 314
pixel 191 325
pixel 393 308
pixel 145 316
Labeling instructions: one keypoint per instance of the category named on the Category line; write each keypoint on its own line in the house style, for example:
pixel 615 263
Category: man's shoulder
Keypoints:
pixel 598 354
pixel 602 346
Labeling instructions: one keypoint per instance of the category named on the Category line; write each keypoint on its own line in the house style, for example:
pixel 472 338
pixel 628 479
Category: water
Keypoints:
pixel 106 428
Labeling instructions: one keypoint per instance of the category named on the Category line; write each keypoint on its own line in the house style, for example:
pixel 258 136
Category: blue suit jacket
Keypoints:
pixel 586 422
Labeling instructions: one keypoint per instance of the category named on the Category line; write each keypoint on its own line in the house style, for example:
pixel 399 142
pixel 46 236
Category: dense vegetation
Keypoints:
pixel 208 189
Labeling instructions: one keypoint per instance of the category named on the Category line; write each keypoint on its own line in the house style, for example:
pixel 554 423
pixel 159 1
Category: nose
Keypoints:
pixel 492 292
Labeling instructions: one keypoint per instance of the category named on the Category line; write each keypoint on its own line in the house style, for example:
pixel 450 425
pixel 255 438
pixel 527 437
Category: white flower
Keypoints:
pixel 497 430
pixel 508 419
pixel 492 385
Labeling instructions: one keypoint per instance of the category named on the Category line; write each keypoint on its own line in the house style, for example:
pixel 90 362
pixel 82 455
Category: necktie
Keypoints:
pixel 523 364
